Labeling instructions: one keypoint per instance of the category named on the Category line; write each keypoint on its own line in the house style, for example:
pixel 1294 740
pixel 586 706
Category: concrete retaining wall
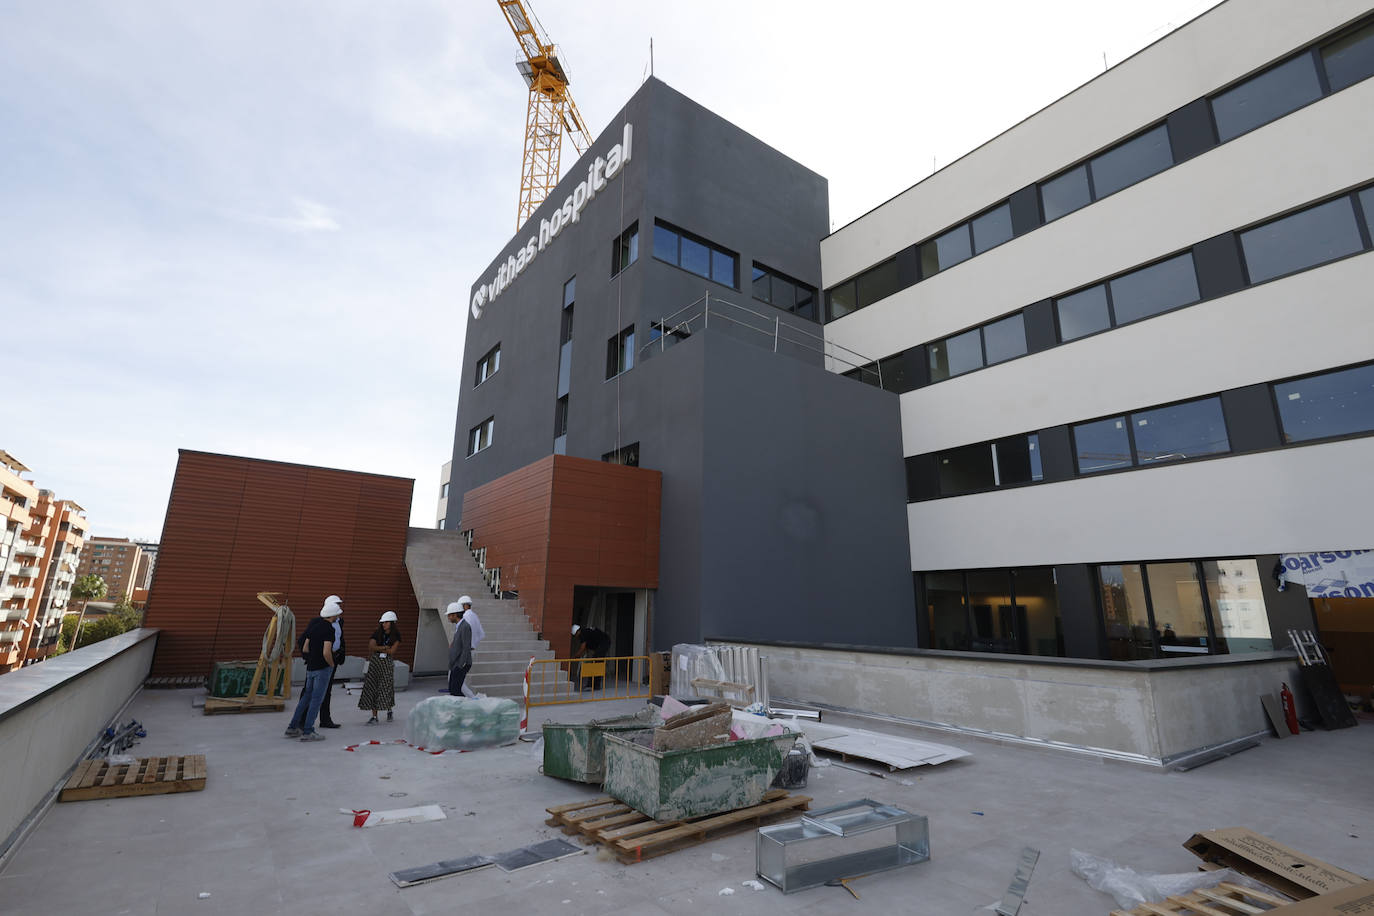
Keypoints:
pixel 1148 712
pixel 51 712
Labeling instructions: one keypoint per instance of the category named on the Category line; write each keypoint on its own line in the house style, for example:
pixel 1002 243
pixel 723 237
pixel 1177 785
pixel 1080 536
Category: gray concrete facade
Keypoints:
pixel 781 480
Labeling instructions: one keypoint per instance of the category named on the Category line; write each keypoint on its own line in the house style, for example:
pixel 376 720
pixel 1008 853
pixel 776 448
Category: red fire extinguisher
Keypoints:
pixel 1290 710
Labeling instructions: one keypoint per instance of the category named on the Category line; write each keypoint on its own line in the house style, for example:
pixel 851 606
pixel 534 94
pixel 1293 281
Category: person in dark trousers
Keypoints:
pixel 594 644
pixel 317 648
pixel 460 649
pixel 327 718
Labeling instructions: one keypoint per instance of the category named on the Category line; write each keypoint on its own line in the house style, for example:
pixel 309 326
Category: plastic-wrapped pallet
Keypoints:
pixel 738 674
pixel 459 723
pixel 690 662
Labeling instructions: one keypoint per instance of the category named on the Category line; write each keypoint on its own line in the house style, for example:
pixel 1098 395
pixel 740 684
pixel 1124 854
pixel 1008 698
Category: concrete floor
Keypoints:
pixel 265 835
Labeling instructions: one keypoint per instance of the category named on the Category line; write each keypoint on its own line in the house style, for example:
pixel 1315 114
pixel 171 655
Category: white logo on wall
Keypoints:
pixel 599 172
pixel 1333 574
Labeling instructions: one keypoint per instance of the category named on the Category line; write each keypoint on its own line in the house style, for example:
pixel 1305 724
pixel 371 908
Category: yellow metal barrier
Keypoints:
pixel 553 681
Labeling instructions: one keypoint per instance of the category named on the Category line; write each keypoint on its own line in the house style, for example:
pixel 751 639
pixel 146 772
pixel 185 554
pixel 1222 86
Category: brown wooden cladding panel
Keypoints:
pixel 563 522
pixel 238 526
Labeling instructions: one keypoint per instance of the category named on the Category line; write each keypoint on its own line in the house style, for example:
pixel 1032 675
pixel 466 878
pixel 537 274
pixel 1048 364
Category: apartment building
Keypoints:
pixel 63 527
pixel 117 561
pixel 20 556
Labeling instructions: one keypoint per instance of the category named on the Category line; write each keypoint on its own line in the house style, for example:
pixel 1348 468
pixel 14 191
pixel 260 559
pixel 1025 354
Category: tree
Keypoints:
pixel 123 618
pixel 87 588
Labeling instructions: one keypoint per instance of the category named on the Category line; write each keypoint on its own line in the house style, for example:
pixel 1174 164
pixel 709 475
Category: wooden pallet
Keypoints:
pixel 217 705
pixel 632 836
pixel 145 776
pixel 174 683
pixel 1226 899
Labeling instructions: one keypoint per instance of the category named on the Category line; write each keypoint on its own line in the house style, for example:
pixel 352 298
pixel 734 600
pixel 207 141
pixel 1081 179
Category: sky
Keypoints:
pixel 250 227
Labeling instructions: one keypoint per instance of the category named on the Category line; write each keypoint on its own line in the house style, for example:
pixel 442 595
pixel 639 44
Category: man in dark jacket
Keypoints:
pixel 326 718
pixel 460 649
pixel 317 648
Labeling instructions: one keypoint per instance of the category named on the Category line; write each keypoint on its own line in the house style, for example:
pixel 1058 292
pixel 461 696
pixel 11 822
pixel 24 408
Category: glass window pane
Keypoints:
pixel 806 302
pixel 1367 205
pixel 1350 59
pixel 1305 239
pixel 878 283
pixel 1238 612
pixel 1124 613
pixel 1132 161
pixel 1082 313
pixel 1180 431
pixel 665 244
pixel 930 259
pixel 632 249
pixel 966 470
pixel 1018 459
pixel 761 285
pixel 1102 445
pixel 696 257
pixel 1263 98
pixel 953 247
pixel 1039 625
pixel 1180 617
pixel 723 268
pixel 990 610
pixel 945 601
pixel 569 292
pixel 784 294
pixel 992 229
pixel 1005 339
pixel 841 300
pixel 938 356
pixel 1154 289
pixel 1065 194
pixel 965 352
pixel 1333 404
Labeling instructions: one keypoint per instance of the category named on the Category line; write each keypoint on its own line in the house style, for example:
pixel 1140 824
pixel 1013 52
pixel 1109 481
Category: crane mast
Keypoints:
pixel 551 113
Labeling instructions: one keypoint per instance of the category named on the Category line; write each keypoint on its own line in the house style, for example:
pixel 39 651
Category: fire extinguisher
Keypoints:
pixel 1290 710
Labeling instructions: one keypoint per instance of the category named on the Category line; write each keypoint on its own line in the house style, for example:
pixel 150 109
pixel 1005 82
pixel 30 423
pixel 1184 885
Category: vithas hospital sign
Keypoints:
pixel 599 174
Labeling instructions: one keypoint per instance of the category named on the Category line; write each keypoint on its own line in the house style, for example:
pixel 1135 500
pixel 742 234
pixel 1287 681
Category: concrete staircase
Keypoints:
pixel 441 569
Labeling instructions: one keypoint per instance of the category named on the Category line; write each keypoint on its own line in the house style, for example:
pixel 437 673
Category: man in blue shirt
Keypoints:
pixel 326 718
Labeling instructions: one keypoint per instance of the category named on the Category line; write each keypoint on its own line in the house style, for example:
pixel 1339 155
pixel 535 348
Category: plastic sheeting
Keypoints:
pixel 729 664
pixel 458 723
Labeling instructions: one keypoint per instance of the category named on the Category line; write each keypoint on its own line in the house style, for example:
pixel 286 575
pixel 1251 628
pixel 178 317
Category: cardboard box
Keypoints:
pixel 1350 901
pixel 1295 874
pixel 660 672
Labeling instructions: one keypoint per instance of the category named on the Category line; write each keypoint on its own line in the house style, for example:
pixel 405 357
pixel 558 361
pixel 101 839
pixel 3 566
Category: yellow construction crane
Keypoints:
pixel 551 114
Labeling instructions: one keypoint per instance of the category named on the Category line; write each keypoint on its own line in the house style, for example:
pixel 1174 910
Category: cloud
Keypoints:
pixel 309 217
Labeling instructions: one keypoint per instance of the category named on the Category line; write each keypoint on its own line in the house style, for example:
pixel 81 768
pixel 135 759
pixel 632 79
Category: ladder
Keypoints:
pixel 1310 652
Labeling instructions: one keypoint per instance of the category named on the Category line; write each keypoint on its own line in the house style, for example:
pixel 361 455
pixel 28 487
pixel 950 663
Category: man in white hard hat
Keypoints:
pixel 326 717
pixel 460 649
pixel 317 648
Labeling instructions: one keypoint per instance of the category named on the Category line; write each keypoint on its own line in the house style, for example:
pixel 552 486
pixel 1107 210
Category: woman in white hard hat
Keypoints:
pixel 379 683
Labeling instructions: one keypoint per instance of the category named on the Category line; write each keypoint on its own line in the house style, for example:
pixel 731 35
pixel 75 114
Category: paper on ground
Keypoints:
pixel 402 816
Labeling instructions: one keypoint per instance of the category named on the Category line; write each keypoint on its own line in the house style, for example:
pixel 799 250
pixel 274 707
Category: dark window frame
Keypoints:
pixel 620 356
pixel 475 435
pixel 712 248
pixel 965 597
pixel 1273 387
pixel 772 274
pixel 1210 612
pixel 625 245
pixel 490 362
pixel 1127 417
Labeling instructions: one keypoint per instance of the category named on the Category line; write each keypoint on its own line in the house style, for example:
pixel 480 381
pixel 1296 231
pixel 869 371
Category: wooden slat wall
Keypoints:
pixel 238 526
pixel 562 522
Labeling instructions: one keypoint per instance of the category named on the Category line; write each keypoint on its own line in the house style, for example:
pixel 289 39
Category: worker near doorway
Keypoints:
pixel 594 643
pixel 460 649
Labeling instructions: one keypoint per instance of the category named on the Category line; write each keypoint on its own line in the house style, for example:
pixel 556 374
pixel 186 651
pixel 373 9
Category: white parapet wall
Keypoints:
pixel 51 712
pixel 1154 713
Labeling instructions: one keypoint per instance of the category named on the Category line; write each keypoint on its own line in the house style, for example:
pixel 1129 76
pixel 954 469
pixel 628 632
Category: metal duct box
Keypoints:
pixel 844 841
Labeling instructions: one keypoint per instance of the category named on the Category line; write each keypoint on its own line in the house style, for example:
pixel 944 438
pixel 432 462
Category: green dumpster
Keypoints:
pixel 694 781
pixel 575 750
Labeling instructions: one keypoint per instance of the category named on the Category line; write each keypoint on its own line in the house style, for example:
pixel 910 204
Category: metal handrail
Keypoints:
pixel 700 308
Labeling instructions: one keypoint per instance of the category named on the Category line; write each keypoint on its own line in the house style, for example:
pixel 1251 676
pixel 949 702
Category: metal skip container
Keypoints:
pixel 691 782
pixel 577 751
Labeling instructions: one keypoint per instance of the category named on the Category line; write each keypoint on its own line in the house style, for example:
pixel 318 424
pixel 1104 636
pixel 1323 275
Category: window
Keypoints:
pixel 955 355
pixel 487 365
pixel 840 301
pixel 1236 595
pixel 1065 194
pixel 783 292
pixel 625 249
pixel 479 437
pixel 1188 430
pixel 877 283
pixel 620 353
pixel 443 491
pixel 1082 313
pixel 1006 462
pixel 1337 403
pixel 1133 161
pixel 992 228
pixel 696 255
pixel 995 610
pixel 1301 240
pixel 1154 289
pixel 570 292
pixel 946 250
pixel 1266 97
pixel 1367 205
pixel 1159 610
pixel 1004 339
pixel 627 455
pixel 560 426
pixel 1350 59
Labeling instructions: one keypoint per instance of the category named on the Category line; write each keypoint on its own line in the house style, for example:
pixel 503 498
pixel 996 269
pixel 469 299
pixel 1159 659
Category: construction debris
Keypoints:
pixel 509 861
pixel 1016 891
pixel 1269 862
pixel 459 723
pixel 365 818
pixel 146 776
pixel 839 844
pixel 894 752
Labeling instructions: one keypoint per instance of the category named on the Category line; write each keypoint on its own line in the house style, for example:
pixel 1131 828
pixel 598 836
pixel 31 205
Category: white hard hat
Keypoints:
pixel 331 610
pixel 465 600
pixel 333 599
pixel 575 629
pixel 455 607
pixel 389 615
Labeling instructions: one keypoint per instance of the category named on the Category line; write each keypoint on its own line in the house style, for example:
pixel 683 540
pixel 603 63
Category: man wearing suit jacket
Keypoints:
pixel 326 719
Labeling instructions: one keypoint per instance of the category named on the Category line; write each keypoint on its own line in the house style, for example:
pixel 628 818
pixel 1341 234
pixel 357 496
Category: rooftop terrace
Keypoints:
pixel 266 835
